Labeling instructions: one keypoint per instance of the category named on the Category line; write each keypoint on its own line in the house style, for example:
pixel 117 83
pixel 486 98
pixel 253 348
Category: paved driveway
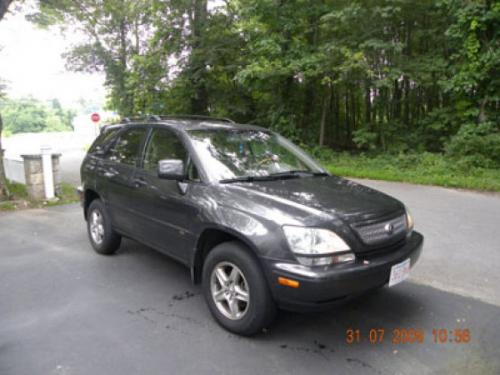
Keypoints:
pixel 66 310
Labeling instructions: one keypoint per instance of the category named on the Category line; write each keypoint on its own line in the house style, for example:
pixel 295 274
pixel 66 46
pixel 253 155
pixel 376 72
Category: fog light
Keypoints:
pixel 326 261
pixel 343 258
pixel 316 261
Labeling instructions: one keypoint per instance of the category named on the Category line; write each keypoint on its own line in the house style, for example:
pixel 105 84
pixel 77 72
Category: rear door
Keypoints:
pixel 116 173
pixel 165 211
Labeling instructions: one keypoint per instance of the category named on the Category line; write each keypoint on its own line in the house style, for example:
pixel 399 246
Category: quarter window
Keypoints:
pixel 126 148
pixel 103 140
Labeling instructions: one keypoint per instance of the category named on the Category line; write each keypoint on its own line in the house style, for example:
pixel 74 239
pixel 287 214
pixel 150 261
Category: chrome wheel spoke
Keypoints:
pixel 221 276
pixel 234 275
pixel 241 294
pixel 233 307
pixel 220 295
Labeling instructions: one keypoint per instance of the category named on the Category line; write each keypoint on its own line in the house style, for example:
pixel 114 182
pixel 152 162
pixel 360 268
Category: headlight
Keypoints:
pixel 409 220
pixel 313 241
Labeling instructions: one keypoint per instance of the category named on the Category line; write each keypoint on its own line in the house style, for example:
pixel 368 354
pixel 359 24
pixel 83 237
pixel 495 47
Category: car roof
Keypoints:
pixel 185 123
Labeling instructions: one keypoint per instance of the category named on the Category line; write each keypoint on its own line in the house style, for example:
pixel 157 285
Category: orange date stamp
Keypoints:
pixel 408 335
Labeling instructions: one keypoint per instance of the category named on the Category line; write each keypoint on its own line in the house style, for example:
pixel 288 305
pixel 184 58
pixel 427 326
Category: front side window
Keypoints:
pixel 163 144
pixel 233 153
pixel 126 148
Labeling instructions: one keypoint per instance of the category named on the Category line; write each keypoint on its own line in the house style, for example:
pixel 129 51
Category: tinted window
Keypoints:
pixel 103 141
pixel 163 144
pixel 126 148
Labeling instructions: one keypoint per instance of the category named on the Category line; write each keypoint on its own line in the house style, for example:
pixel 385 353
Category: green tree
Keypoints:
pixel 30 115
pixel 381 75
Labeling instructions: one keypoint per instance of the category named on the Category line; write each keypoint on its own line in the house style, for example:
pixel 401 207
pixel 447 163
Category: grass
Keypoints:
pixel 17 191
pixel 425 169
pixel 8 206
pixel 20 200
pixel 67 195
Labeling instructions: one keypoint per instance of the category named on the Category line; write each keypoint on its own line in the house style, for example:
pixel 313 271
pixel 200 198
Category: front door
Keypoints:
pixel 164 210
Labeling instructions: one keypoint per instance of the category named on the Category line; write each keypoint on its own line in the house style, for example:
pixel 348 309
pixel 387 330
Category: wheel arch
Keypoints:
pixel 89 196
pixel 207 240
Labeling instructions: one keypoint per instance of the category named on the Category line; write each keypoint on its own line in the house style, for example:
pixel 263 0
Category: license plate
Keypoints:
pixel 399 272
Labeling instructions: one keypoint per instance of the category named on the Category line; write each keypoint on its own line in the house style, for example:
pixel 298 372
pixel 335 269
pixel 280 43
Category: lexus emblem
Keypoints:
pixel 388 228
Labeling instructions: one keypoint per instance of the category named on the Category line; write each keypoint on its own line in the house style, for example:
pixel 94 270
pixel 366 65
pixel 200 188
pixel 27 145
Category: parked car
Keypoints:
pixel 259 223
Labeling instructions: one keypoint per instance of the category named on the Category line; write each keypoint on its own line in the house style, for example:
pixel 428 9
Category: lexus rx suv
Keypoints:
pixel 259 223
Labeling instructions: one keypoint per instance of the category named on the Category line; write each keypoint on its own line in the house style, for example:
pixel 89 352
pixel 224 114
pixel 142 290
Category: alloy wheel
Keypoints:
pixel 230 290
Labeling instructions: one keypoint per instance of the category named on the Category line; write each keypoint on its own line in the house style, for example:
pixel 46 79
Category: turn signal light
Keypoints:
pixel 288 282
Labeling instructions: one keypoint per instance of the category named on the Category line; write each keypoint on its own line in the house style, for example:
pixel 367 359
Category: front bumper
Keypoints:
pixel 322 287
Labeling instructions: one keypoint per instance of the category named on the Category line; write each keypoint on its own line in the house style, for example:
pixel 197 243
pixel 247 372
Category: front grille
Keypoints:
pixel 382 232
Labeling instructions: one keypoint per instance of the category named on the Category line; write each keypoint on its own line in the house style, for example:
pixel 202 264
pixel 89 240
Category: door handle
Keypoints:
pixel 139 182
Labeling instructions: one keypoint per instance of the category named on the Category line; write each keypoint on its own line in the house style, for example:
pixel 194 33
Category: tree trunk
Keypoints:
pixel 368 112
pixel 4 190
pixel 326 101
pixel 347 113
pixel 336 115
pixel 482 111
pixel 125 101
pixel 406 107
pixel 199 100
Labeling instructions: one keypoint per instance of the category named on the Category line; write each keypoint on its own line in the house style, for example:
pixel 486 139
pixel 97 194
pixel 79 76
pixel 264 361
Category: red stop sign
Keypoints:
pixel 95 117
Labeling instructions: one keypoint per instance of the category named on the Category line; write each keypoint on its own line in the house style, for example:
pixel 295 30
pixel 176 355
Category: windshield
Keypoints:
pixel 231 153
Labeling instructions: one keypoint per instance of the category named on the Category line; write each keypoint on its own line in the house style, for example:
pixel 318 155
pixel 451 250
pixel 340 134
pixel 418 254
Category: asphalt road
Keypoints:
pixel 66 310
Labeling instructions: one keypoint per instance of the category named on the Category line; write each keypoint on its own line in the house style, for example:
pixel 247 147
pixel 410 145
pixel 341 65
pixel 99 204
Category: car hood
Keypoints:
pixel 328 195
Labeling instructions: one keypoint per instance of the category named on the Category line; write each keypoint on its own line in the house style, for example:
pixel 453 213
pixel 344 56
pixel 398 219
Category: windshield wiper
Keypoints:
pixel 273 176
pixel 246 179
pixel 298 173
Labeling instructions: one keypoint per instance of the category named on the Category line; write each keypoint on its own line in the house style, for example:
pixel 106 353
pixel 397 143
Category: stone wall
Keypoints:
pixel 33 172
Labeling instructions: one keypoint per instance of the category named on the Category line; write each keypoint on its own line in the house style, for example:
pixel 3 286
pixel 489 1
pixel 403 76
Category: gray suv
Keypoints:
pixel 259 223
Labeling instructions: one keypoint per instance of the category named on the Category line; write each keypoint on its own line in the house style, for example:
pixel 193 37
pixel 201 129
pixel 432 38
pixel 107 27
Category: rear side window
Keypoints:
pixel 126 148
pixel 163 144
pixel 103 141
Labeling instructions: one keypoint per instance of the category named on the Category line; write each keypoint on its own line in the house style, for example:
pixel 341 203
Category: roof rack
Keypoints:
pixel 195 117
pixel 176 117
pixel 142 118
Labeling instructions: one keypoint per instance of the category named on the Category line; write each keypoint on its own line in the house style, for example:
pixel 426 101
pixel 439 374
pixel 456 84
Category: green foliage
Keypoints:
pixel 426 169
pixel 476 145
pixel 31 115
pixel 385 75
pixel 364 138
pixel 17 190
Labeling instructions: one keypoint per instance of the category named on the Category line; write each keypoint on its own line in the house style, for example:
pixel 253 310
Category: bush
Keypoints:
pixel 476 146
pixel 365 139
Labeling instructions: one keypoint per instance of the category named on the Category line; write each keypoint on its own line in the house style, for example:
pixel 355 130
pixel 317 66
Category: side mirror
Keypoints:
pixel 171 169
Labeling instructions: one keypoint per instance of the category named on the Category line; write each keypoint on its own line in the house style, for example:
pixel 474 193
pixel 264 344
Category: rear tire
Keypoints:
pixel 236 290
pixel 103 238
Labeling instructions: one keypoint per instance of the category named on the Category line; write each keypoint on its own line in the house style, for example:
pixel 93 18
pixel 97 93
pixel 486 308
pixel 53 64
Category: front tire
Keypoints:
pixel 236 291
pixel 103 238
